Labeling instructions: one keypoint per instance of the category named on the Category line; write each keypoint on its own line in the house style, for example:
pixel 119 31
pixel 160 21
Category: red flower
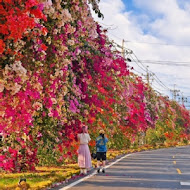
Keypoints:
pixel 38 13
pixel 44 31
pixel 2 46
pixel 44 47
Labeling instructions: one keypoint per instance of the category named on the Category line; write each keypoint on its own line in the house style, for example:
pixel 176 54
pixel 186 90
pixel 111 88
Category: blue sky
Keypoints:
pixel 147 26
pixel 130 5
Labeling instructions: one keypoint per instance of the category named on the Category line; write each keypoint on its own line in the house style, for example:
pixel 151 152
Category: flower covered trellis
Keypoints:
pixel 57 72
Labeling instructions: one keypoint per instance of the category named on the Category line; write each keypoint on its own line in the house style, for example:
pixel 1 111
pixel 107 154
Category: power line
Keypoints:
pixel 137 63
pixel 158 88
pixel 141 65
pixel 156 79
pixel 160 62
pixel 137 71
pixel 129 51
pixel 116 36
pixel 162 83
pixel 144 67
pixel 165 63
pixel 161 44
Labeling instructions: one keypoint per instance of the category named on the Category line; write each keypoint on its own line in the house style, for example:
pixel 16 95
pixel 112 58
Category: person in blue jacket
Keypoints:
pixel 101 150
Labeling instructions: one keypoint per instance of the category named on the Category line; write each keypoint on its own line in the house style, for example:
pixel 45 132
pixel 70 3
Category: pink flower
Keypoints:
pixel 55 113
pixel 72 106
pixel 44 114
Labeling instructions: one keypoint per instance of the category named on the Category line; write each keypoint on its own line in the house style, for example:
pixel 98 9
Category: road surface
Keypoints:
pixel 149 170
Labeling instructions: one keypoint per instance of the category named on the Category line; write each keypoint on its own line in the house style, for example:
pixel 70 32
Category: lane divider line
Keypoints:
pixel 178 170
pixel 91 175
pixel 185 183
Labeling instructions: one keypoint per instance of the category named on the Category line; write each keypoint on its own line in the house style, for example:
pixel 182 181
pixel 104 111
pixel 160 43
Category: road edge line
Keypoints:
pixel 95 172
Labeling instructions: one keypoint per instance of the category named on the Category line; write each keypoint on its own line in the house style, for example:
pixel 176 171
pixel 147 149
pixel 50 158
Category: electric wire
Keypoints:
pixel 144 68
pixel 137 63
pixel 160 44
pixel 158 88
pixel 153 74
pixel 163 62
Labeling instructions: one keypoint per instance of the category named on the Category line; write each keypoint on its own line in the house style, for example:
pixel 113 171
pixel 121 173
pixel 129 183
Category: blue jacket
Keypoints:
pixel 101 144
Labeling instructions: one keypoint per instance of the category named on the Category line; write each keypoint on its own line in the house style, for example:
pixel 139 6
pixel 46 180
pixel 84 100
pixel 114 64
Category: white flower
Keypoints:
pixel 54 101
pixel 66 15
pixel 37 106
pixel 78 51
pixel 70 29
pixel 18 68
pixel 61 73
pixel 2 113
pixel 49 3
pixel 15 89
pixel 50 114
pixel 58 6
pixel 30 152
pixel 1 86
pixel 70 42
pixel 55 31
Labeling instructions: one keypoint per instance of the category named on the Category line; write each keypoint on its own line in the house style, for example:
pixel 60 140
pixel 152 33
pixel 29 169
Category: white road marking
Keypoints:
pixel 185 183
pixel 91 175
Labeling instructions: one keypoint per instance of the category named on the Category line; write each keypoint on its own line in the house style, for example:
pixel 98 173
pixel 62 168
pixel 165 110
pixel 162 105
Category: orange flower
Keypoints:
pixel 92 143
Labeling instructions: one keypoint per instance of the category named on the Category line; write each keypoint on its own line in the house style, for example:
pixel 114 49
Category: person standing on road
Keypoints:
pixel 84 156
pixel 101 150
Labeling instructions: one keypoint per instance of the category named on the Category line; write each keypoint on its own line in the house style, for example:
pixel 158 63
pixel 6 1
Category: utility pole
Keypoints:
pixel 174 93
pixel 183 99
pixel 148 76
pixel 125 51
pixel 123 48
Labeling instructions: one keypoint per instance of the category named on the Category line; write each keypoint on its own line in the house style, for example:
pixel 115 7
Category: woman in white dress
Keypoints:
pixel 84 156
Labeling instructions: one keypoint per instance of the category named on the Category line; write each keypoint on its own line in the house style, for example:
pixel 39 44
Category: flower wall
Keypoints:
pixel 58 72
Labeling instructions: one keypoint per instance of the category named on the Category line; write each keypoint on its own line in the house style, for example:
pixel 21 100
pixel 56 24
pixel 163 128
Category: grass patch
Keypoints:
pixel 38 180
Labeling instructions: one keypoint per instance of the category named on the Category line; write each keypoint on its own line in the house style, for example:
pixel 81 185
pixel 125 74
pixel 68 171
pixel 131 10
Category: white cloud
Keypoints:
pixel 171 20
pixel 164 22
pixel 156 6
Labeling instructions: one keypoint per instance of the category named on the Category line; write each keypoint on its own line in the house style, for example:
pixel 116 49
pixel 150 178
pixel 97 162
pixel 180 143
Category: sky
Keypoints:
pixel 158 33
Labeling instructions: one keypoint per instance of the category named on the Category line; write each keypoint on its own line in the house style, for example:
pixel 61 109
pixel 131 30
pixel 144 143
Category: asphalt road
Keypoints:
pixel 157 169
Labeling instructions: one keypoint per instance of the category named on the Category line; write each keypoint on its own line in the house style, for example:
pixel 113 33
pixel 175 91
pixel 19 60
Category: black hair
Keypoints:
pixel 102 135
